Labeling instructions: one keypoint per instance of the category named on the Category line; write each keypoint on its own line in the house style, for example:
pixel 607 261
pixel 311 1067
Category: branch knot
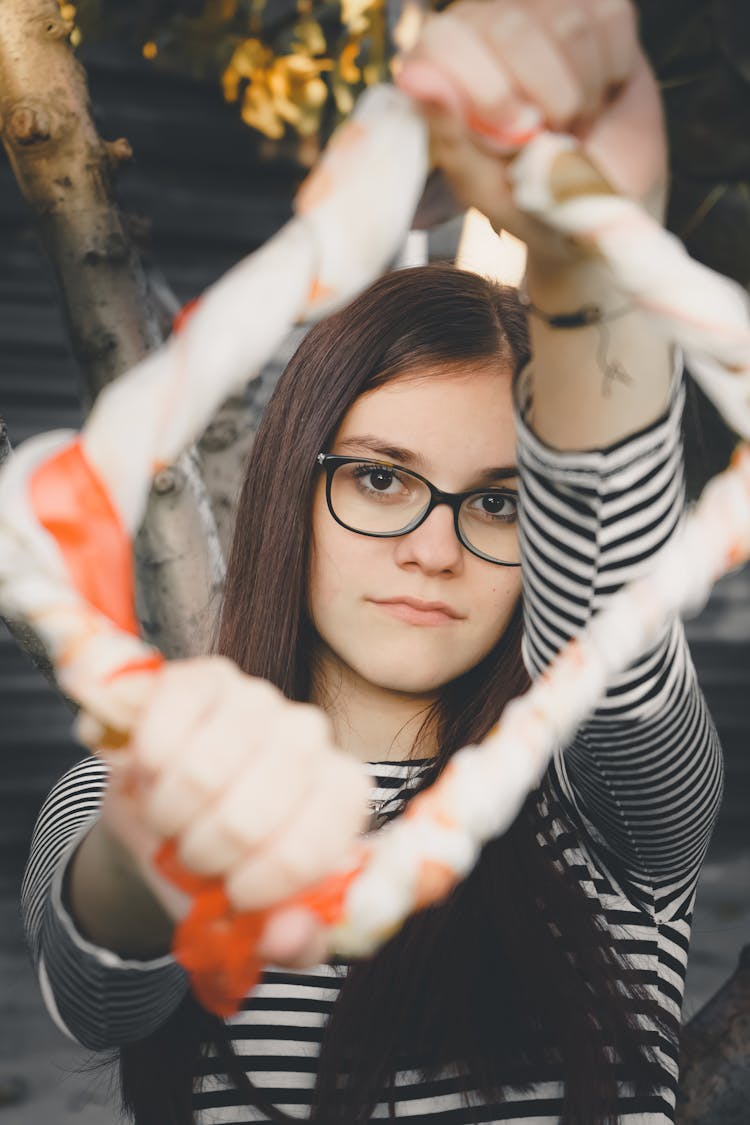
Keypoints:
pixel 118 152
pixel 28 125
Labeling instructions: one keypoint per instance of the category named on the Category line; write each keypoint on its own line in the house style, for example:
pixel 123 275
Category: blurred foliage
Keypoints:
pixel 295 67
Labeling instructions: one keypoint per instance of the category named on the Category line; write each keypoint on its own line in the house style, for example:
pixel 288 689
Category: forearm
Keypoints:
pixel 99 998
pixel 110 902
pixel 645 769
pixel 594 385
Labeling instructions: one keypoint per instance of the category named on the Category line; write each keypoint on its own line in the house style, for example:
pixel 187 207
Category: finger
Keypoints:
pixel 248 811
pixel 628 147
pixel 477 177
pixel 538 66
pixel 211 757
pixel 312 844
pixel 224 713
pixel 293 937
pixel 269 792
pixel 249 719
pixel 184 693
pixel 572 27
pixel 453 46
pixel 452 70
pixel 617 26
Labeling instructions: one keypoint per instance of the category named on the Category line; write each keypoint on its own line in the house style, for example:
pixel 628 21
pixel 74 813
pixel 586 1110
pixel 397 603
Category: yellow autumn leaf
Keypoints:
pixel 354 12
pixel 278 81
pixel 258 112
pixel 309 123
pixel 348 68
pixel 300 67
pixel 249 56
pixel 309 37
pixel 372 73
pixel 344 98
pixel 288 112
pixel 316 93
pixel 230 82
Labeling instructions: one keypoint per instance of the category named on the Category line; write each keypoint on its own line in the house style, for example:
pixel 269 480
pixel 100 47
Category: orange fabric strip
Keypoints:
pixel 217 944
pixel 182 315
pixel 150 663
pixel 72 504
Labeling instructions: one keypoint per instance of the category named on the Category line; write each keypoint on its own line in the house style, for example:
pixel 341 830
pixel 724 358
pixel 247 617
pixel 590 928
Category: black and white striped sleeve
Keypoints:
pixel 94 996
pixel 645 772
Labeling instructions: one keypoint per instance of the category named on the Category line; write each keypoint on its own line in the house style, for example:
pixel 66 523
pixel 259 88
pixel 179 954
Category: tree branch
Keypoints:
pixel 715 1056
pixel 63 169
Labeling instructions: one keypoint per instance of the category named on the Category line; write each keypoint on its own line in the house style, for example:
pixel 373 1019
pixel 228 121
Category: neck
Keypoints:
pixel 374 724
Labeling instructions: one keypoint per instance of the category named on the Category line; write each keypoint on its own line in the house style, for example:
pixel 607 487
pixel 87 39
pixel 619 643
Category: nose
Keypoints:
pixel 433 546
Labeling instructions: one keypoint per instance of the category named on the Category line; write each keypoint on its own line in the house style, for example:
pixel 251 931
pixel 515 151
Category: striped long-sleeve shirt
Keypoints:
pixel 638 788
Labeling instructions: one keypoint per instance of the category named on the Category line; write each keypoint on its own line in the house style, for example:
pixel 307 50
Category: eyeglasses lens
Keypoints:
pixel 379 500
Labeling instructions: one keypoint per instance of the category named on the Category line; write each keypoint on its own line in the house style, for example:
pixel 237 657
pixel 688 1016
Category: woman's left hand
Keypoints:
pixel 484 68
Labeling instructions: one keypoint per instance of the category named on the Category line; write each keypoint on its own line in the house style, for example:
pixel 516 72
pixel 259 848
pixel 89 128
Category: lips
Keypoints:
pixel 418 612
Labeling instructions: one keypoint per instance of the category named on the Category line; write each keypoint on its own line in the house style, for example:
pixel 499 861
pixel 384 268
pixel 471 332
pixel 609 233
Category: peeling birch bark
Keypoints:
pixel 224 449
pixel 63 169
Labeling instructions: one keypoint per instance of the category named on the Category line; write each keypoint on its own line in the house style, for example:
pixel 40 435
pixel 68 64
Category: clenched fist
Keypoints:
pixel 248 784
pixel 487 71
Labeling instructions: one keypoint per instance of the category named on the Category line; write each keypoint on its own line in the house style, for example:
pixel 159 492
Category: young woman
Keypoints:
pixel 394 529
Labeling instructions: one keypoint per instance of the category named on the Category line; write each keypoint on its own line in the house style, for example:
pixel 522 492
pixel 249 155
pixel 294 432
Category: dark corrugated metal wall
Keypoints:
pixel 198 180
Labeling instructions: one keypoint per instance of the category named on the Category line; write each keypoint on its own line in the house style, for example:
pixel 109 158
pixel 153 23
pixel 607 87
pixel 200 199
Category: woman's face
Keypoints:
pixel 456 427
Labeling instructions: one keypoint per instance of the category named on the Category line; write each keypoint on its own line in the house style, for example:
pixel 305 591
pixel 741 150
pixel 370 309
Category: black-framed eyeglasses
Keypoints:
pixel 383 500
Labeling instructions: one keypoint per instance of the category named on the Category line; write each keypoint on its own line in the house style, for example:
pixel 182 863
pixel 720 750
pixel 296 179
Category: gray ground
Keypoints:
pixel 56 1089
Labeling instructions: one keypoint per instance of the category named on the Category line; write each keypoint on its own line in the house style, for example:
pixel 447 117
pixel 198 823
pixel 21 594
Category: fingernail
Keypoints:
pixel 428 86
pixel 524 123
pixel 510 132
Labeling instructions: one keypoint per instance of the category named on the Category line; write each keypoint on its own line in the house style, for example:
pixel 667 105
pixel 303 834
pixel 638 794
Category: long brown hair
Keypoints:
pixel 479 982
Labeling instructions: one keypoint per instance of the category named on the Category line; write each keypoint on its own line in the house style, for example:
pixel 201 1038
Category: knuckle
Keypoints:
pixel 297 865
pixel 246 822
pixel 259 688
pixel 200 769
pixel 170 806
pixel 314 722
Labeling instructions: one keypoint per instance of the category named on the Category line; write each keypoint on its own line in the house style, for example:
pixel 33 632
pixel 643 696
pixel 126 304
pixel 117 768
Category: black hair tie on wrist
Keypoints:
pixel 579 318
pixel 584 317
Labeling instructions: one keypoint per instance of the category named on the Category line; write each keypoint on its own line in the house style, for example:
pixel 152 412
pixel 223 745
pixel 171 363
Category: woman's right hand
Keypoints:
pixel 249 786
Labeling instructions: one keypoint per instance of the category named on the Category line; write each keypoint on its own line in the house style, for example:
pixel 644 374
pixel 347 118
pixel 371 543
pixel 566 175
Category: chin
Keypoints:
pixel 415 676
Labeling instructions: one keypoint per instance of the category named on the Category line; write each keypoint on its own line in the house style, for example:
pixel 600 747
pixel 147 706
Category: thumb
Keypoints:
pixel 429 87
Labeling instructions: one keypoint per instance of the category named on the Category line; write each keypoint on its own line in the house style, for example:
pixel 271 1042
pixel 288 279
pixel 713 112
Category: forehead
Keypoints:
pixel 450 419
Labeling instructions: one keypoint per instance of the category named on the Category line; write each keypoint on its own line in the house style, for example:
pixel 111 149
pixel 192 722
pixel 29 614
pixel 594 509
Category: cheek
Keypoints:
pixel 494 609
pixel 337 561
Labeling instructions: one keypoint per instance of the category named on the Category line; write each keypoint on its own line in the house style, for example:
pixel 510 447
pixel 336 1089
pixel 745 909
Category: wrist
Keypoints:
pixel 563 287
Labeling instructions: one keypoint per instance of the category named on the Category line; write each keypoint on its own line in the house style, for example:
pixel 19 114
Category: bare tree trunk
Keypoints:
pixel 63 170
pixel 715 1056
pixel 26 638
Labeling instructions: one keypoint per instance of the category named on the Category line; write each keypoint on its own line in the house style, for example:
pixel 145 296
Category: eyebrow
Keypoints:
pixel 412 460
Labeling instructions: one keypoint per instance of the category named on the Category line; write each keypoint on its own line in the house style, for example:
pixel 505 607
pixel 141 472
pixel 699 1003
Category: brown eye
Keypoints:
pixel 495 505
pixel 380 479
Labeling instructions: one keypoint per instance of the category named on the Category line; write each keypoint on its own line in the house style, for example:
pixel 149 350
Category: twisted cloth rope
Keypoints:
pixel 70 504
